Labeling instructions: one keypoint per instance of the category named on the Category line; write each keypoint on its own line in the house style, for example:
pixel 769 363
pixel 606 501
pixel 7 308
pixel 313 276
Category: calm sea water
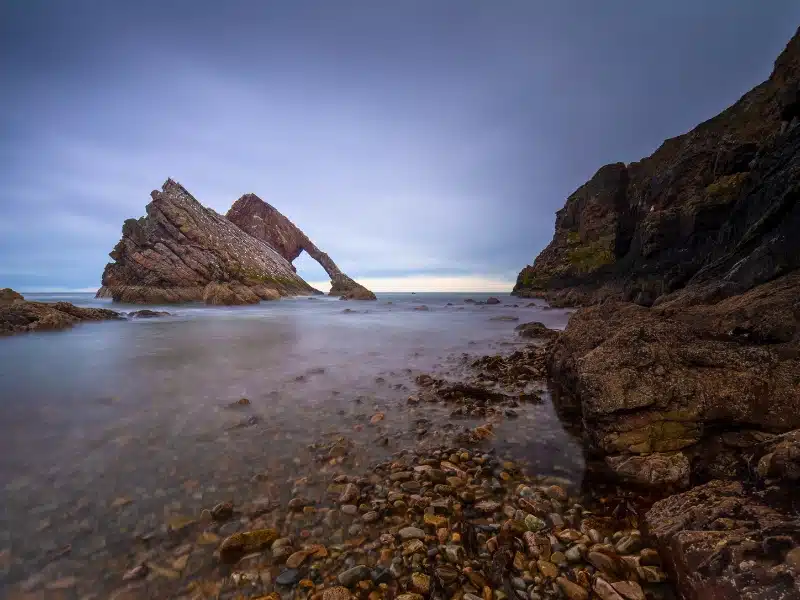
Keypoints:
pixel 139 409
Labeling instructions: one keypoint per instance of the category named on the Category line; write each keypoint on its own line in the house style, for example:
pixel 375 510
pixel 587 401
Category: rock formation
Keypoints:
pixel 18 315
pixel 182 251
pixel 719 202
pixel 264 222
pixel 684 368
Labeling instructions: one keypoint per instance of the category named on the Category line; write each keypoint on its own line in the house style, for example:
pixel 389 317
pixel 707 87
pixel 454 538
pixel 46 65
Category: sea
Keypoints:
pixel 110 426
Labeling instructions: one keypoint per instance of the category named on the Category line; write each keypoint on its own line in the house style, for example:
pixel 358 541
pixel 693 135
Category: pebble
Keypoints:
pixel 336 593
pixel 572 590
pixel 349 509
pixel 288 577
pixel 547 568
pixel 352 576
pixel 370 517
pixel 411 533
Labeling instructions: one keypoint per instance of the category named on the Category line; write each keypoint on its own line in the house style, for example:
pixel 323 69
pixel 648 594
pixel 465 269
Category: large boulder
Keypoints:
pixel 649 380
pixel 725 541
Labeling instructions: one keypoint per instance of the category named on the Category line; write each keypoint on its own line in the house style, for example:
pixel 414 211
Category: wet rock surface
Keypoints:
pixel 17 315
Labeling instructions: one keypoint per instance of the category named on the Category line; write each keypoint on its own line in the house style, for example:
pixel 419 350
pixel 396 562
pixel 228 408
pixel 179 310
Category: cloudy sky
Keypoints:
pixel 424 144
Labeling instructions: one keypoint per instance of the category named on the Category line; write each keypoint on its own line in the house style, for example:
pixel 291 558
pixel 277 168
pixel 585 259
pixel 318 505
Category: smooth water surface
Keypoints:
pixel 139 410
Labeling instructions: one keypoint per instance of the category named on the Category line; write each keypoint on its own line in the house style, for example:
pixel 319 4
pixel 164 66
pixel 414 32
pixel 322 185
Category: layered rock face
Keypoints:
pixel 264 222
pixel 182 251
pixel 683 367
pixel 705 201
pixel 18 315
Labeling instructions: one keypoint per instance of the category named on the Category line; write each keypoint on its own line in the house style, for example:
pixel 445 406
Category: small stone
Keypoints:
pixel 336 593
pixel 547 568
pixel 534 523
pixel 603 562
pixel 436 521
pixel 377 417
pixel 412 547
pixel 64 583
pixel 605 591
pixel 239 544
pixel 382 575
pixel 487 506
pixel 454 554
pixel 137 572
pixel 420 583
pixel 179 564
pixel 572 590
pixel 575 553
pixel 472 597
pixel 653 574
pixel 558 558
pixel 120 502
pixel 410 596
pixel 349 495
pixel 411 486
pixel 222 511
pixel 288 577
pixel 370 517
pixel 352 576
pixel 296 559
pixel 630 590
pixel 349 509
pixel 411 533
pixel 556 492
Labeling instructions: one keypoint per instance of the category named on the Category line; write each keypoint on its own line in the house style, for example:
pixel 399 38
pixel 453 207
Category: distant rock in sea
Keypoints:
pixel 182 252
pixel 264 222
pixel 18 315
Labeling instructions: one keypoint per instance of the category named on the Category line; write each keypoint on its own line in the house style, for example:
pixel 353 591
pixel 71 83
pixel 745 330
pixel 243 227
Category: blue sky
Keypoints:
pixel 423 145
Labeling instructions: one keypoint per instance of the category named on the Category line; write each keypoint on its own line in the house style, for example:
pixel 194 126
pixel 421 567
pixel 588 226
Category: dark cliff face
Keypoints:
pixel 264 222
pixel 182 251
pixel 717 203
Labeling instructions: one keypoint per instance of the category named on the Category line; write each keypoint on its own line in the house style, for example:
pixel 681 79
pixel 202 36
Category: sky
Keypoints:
pixel 423 144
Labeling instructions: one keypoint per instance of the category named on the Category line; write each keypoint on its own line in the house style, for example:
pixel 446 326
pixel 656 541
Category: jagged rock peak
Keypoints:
pixel 182 251
pixel 264 222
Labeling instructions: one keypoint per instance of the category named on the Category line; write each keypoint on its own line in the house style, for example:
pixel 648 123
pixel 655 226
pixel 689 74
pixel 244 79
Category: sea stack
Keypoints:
pixel 264 222
pixel 182 251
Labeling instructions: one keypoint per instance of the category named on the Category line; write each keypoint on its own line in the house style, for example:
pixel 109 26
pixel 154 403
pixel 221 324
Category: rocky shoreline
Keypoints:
pixel 448 516
pixel 18 315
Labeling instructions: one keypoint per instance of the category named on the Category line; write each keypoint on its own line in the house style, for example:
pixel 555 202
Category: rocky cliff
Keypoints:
pixel 264 222
pixel 684 370
pixel 182 251
pixel 719 202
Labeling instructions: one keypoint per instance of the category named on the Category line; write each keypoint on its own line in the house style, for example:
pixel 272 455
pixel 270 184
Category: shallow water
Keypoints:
pixel 140 410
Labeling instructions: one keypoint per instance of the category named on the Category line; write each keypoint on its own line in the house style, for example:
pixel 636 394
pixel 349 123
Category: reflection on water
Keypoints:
pixel 140 410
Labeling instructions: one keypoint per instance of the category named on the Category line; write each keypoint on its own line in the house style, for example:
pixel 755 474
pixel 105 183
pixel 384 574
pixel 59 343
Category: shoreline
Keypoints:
pixel 157 547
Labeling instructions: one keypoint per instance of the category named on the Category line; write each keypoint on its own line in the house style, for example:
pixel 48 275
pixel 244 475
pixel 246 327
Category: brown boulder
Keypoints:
pixel 534 330
pixel 19 316
pixel 8 296
pixel 724 542
pixel 652 380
